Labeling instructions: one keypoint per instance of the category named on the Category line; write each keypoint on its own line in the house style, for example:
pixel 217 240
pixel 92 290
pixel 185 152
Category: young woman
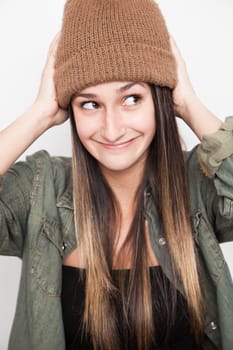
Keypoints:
pixel 120 246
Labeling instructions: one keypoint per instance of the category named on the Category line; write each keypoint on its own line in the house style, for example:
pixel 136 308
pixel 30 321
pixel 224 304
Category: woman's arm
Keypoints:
pixel 215 152
pixel 43 114
pixel 187 104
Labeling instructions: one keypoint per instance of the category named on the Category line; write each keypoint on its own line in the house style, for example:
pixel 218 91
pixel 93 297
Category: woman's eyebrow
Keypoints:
pixel 81 94
pixel 129 85
pixel 121 89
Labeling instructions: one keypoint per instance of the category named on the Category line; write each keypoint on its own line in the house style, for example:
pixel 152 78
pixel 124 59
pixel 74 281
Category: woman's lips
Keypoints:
pixel 117 146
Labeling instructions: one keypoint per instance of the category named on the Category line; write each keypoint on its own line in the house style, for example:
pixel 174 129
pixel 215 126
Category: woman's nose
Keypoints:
pixel 113 128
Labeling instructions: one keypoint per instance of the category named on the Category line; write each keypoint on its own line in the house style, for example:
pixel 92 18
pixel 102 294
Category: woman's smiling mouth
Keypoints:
pixel 116 146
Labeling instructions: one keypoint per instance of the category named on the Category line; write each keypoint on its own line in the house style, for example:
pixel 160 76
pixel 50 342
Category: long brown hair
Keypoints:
pixel 97 216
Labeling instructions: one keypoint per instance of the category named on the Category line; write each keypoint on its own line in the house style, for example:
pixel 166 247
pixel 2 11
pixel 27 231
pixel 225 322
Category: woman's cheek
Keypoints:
pixel 86 128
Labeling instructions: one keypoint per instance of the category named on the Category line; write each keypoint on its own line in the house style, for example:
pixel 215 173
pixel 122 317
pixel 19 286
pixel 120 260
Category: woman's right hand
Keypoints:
pixel 46 101
pixel 40 116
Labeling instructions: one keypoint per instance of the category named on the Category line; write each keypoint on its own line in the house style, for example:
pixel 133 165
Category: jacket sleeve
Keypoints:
pixel 215 155
pixel 15 191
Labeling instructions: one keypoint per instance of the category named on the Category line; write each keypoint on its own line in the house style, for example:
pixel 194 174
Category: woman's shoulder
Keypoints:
pixel 200 184
pixel 43 161
pixel 49 167
pixel 41 171
pixel 191 161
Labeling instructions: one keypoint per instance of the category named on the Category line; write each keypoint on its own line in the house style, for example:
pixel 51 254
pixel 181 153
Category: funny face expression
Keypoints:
pixel 115 122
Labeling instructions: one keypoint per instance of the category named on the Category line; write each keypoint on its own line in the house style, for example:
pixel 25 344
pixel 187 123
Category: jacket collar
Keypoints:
pixel 66 200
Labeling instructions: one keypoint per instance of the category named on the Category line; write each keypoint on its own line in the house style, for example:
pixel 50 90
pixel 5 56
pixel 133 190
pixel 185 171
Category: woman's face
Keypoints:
pixel 115 122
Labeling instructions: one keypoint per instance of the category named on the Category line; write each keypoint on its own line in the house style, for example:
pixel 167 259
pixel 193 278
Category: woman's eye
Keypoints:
pixel 89 105
pixel 131 100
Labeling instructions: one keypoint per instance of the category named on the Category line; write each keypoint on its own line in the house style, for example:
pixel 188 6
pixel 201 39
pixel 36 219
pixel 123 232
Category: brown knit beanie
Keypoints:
pixel 112 40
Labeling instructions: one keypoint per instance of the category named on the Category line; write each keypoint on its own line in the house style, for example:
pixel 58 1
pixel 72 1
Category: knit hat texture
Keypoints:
pixel 112 40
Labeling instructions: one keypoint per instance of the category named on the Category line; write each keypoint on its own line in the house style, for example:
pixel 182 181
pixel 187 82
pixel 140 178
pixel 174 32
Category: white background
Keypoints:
pixel 203 31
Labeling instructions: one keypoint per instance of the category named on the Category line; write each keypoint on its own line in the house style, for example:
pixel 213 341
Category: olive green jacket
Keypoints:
pixel 37 225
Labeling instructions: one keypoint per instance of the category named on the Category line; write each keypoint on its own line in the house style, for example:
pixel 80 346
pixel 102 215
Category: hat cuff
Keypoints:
pixel 114 62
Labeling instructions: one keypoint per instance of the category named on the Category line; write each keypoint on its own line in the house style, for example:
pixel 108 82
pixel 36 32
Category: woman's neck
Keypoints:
pixel 124 184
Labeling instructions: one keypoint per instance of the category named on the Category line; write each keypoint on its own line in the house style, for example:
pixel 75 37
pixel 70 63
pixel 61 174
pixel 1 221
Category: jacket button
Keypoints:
pixel 64 245
pixel 213 325
pixel 162 241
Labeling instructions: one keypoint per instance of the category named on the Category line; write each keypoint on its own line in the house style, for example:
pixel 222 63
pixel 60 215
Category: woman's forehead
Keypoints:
pixel 118 86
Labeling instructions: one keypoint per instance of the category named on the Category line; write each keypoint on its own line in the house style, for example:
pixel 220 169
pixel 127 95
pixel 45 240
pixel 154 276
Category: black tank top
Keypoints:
pixel 73 296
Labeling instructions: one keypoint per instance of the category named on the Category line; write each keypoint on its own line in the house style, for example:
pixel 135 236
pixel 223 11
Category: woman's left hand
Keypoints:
pixel 187 105
pixel 183 94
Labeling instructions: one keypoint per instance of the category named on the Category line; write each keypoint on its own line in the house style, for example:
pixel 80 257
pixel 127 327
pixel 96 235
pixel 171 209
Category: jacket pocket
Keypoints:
pixel 47 259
